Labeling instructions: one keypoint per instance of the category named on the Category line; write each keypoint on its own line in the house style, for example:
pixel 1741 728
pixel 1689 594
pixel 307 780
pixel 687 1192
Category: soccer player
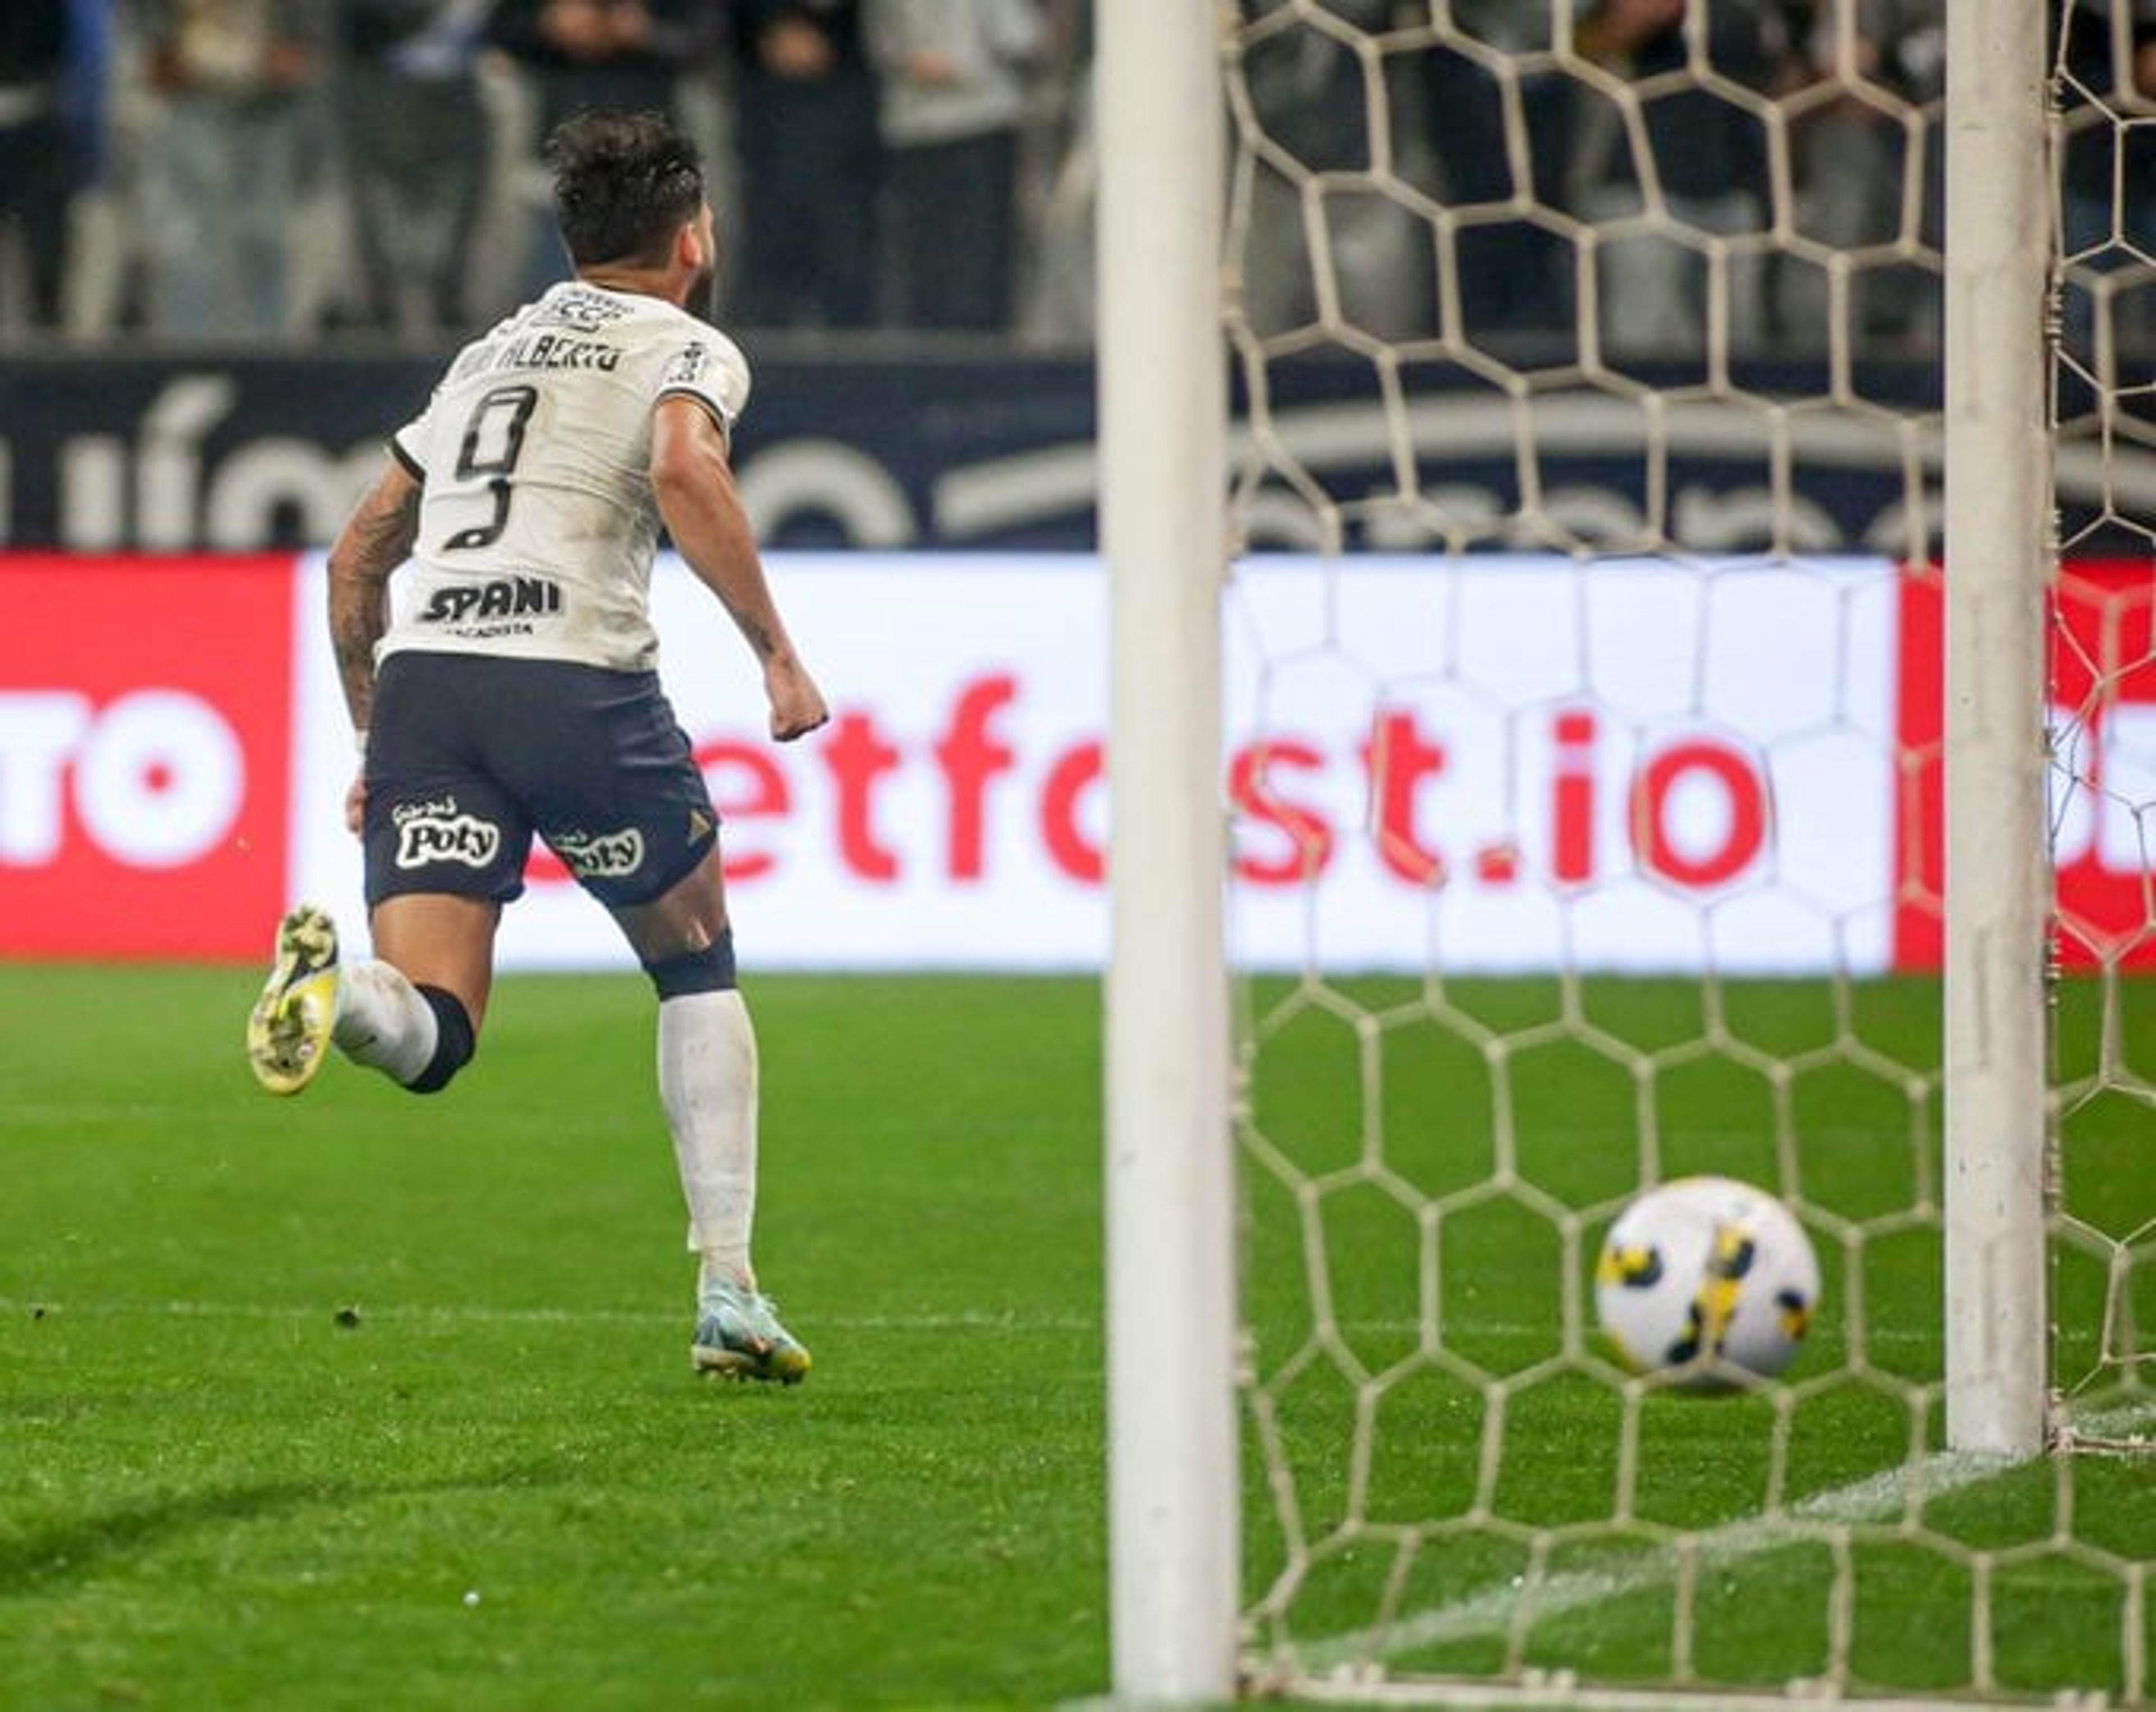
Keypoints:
pixel 515 689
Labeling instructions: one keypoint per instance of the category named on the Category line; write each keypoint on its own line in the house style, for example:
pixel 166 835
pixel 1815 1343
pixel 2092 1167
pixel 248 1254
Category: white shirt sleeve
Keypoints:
pixel 709 369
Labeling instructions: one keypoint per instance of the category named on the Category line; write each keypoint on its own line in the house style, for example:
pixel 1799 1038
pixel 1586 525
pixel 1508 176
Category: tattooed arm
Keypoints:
pixel 375 539
pixel 694 480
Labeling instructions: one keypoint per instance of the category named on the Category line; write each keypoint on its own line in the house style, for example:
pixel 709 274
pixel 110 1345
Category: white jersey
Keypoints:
pixel 537 523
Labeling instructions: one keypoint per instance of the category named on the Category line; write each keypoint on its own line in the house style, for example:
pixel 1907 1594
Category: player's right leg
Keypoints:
pixel 708 1088
pixel 739 1336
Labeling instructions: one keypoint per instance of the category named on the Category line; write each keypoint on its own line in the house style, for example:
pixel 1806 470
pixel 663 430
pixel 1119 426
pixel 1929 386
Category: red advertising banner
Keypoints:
pixel 2102 807
pixel 145 717
pixel 1919 791
pixel 2103 676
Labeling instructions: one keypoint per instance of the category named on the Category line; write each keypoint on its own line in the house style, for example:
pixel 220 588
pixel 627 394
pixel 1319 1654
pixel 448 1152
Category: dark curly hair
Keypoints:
pixel 623 184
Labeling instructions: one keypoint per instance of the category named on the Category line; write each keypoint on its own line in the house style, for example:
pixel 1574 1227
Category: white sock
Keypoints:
pixel 707 1077
pixel 383 1021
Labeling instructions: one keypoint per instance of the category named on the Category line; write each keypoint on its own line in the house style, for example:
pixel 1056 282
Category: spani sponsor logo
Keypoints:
pixel 437 832
pixel 599 856
pixel 499 597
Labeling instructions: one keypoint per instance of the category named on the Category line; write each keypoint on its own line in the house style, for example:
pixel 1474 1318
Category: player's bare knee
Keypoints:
pixel 455 1041
pixel 709 969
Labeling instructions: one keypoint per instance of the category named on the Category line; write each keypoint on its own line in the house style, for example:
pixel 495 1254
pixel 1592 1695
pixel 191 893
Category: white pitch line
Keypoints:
pixel 1876 1498
pixel 982 1320
pixel 457 1313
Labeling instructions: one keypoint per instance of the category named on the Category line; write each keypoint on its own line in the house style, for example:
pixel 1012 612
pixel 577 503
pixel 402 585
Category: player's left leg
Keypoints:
pixel 413 1011
pixel 444 843
pixel 707 1084
pixel 288 1032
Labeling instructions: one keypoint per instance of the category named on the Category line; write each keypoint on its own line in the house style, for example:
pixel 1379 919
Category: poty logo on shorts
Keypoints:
pixel 599 856
pixel 438 832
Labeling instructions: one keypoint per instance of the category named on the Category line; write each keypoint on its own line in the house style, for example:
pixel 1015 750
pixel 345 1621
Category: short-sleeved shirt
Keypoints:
pixel 537 523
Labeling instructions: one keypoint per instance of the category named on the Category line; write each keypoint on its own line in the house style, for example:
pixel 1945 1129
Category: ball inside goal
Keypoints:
pixel 1705 1280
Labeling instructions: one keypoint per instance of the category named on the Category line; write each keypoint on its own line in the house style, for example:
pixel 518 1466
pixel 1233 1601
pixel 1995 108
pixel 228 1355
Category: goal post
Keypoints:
pixel 1997 511
pixel 1174 1523
pixel 1609 710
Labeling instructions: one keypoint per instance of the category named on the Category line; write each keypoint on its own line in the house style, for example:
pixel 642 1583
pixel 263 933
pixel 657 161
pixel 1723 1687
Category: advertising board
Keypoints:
pixel 1489 763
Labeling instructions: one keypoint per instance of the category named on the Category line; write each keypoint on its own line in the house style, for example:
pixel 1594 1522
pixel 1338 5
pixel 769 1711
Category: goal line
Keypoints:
pixel 1351 1661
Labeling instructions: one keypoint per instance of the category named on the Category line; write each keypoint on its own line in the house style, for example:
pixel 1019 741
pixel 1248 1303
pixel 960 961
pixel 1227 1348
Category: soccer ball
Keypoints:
pixel 1707 1279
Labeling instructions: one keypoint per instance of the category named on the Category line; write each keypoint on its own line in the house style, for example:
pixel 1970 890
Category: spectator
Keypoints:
pixel 600 55
pixel 1855 155
pixel 1057 288
pixel 89 73
pixel 624 56
pixel 953 100
pixel 1312 111
pixel 811 165
pixel 37 162
pixel 416 147
pixel 1709 163
pixel 1513 273
pixel 232 144
pixel 102 233
pixel 2107 179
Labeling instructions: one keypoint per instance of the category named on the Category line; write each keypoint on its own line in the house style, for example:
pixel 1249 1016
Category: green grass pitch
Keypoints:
pixel 503 1486
pixel 360 1399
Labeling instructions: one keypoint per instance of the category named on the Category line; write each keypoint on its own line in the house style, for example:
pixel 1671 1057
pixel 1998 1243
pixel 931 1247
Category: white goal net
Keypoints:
pixel 1587 722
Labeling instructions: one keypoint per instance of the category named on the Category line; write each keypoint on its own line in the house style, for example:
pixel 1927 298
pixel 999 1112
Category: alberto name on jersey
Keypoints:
pixel 537 524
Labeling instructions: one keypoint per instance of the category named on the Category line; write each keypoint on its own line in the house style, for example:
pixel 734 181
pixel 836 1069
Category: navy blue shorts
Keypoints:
pixel 468 755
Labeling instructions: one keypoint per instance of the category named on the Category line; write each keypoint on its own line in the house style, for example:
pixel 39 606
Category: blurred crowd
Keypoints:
pixel 1749 172
pixel 1755 177
pixel 226 169
pixel 1757 173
